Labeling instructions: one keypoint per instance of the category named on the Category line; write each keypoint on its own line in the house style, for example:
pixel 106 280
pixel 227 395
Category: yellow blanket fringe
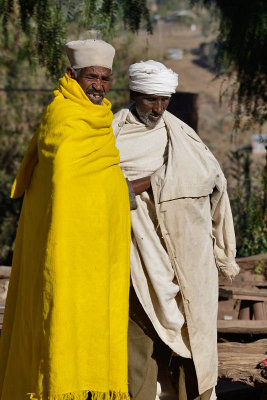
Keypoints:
pixel 83 395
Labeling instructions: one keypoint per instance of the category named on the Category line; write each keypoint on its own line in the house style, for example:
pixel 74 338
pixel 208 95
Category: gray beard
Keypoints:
pixel 144 117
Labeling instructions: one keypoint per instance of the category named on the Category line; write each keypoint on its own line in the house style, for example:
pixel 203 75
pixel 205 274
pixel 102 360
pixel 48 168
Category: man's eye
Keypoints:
pixel 106 79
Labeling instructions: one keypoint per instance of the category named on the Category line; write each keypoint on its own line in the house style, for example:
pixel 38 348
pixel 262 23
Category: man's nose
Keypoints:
pixel 97 84
pixel 158 107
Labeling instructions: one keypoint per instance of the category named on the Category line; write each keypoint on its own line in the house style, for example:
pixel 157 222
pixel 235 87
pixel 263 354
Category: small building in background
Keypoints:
pixel 175 54
pixel 259 143
pixel 184 106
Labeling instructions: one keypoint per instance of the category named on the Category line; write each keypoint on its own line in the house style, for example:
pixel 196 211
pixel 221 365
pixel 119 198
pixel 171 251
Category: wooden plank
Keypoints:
pixel 259 346
pixel 247 297
pixel 251 259
pixel 5 272
pixel 246 283
pixel 238 361
pixel 253 294
pixel 242 326
pixel 254 291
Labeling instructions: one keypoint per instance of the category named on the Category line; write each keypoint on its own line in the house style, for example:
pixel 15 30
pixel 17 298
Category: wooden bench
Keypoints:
pixel 252 299
pixel 251 327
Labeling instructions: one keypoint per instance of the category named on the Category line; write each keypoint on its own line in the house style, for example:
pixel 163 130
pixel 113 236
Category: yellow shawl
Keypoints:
pixel 65 325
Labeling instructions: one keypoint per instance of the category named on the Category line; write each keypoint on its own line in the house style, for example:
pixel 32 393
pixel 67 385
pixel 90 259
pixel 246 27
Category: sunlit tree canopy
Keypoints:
pixel 241 52
pixel 45 23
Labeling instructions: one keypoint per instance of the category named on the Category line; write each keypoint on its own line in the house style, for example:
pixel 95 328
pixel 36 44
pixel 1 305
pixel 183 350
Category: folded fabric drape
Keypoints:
pixel 65 326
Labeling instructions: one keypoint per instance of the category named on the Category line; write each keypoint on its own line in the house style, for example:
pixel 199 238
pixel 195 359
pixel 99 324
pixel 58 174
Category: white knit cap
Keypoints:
pixel 152 77
pixel 88 53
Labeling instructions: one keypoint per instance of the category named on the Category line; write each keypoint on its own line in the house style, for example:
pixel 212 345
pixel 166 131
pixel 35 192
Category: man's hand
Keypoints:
pixel 140 185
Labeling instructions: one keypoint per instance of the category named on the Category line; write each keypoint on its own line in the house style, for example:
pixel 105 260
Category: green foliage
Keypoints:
pixel 261 269
pixel 248 202
pixel 9 209
pixel 19 116
pixel 241 46
pixel 16 125
pixel 45 23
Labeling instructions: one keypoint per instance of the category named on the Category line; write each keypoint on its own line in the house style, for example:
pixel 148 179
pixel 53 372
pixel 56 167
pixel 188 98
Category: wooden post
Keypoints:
pixel 244 312
pixel 259 310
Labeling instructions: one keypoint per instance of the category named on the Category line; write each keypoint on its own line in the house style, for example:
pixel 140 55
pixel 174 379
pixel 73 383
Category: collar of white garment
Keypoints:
pixel 132 119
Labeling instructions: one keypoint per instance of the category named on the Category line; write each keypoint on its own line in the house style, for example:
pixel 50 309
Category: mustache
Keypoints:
pixel 91 91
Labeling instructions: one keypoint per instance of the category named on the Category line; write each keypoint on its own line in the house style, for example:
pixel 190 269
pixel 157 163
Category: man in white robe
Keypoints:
pixel 153 144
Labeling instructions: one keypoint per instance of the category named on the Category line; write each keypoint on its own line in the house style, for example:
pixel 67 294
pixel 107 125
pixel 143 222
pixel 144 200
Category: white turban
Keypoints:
pixel 152 77
pixel 88 53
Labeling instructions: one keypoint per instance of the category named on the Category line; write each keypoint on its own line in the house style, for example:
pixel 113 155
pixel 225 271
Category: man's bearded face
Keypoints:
pixel 150 107
pixel 95 82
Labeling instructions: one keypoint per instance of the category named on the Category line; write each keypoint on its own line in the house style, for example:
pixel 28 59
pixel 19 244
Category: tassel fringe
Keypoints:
pixel 83 395
pixel 230 270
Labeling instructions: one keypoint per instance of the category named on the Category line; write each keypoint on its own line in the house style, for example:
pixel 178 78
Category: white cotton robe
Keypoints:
pixel 143 150
pixel 194 215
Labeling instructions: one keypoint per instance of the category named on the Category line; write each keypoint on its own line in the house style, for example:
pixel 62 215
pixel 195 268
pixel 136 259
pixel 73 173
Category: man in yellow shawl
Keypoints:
pixel 65 327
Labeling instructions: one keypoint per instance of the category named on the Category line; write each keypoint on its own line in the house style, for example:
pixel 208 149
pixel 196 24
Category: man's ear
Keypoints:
pixel 71 73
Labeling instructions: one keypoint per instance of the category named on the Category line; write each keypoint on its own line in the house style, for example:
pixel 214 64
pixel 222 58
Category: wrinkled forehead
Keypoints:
pixel 144 96
pixel 95 69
